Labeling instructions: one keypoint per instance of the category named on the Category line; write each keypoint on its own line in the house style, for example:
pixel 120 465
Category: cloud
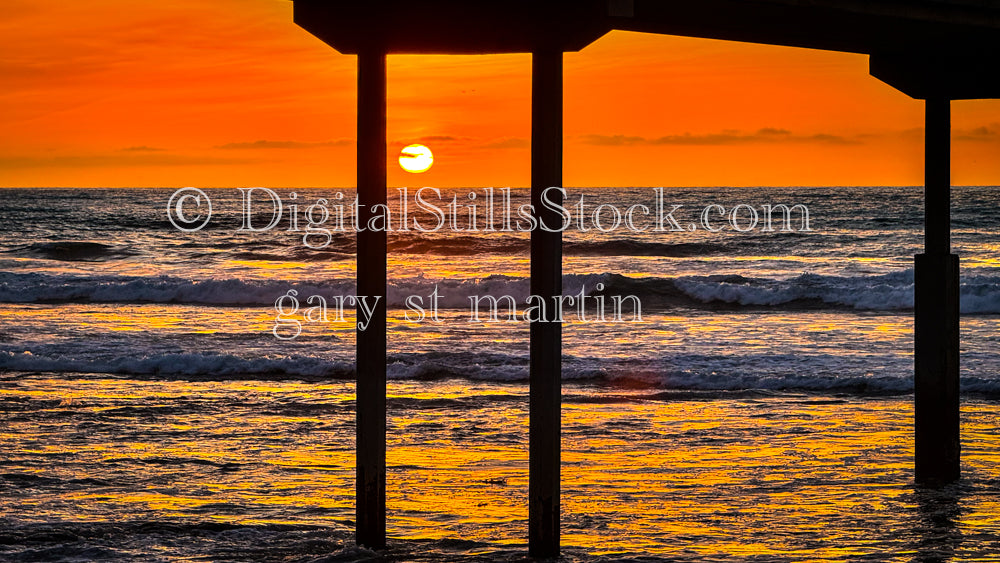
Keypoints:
pixel 772 131
pixel 829 139
pixel 262 144
pixel 727 137
pixel 139 158
pixel 613 140
pixel 441 139
pixel 987 133
pixel 141 148
pixel 433 139
pixel 508 143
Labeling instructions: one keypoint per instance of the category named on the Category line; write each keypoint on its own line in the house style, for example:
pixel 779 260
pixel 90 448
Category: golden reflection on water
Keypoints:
pixel 789 476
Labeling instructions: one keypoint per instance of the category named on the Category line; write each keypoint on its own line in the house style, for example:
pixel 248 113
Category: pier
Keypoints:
pixel 934 50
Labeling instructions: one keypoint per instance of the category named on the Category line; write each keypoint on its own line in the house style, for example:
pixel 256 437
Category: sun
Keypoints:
pixel 416 158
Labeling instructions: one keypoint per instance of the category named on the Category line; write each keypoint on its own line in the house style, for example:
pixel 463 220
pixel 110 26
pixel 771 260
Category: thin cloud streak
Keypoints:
pixel 986 133
pixel 429 139
pixel 728 137
pixel 142 148
pixel 508 143
pixel 264 144
pixel 124 160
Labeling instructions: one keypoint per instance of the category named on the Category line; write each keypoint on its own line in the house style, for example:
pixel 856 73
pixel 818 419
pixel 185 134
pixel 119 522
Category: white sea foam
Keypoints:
pixel 774 372
pixel 980 293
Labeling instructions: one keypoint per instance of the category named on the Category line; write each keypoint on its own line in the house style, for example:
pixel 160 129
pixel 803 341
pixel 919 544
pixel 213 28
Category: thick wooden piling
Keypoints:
pixel 371 276
pixel 546 281
pixel 936 314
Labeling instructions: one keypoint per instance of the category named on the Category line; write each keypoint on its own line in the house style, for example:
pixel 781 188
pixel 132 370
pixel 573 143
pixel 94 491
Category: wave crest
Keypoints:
pixel 980 293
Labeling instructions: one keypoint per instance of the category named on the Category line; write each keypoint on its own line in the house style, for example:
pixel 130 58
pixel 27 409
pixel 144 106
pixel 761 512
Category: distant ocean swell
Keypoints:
pixel 980 290
pixel 696 372
pixel 285 247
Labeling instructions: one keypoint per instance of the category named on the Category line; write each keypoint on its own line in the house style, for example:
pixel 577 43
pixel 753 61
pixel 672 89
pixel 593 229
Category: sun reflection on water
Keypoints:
pixel 784 476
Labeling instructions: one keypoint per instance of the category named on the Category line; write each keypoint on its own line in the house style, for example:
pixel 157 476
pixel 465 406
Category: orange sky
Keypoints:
pixel 232 93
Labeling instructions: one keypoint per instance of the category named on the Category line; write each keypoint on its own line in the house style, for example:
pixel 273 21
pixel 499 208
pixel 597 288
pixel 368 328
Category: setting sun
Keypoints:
pixel 416 158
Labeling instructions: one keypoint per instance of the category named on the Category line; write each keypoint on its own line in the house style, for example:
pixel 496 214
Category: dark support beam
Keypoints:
pixel 937 176
pixel 936 323
pixel 546 281
pixel 371 264
pixel 965 74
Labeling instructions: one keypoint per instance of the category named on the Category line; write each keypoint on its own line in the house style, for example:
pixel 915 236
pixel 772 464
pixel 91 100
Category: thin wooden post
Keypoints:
pixel 546 282
pixel 936 314
pixel 371 276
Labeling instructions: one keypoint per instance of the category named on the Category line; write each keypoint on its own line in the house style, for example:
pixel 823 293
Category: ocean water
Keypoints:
pixel 761 408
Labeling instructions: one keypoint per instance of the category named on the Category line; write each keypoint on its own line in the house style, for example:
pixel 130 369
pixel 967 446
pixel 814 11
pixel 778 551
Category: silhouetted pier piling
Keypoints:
pixel 546 281
pixel 371 274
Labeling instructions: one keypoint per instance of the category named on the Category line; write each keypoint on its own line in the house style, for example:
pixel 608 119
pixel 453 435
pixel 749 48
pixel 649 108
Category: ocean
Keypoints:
pixel 164 397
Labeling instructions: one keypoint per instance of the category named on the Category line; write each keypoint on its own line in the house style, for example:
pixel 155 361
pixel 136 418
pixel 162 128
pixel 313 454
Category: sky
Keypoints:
pixel 222 93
